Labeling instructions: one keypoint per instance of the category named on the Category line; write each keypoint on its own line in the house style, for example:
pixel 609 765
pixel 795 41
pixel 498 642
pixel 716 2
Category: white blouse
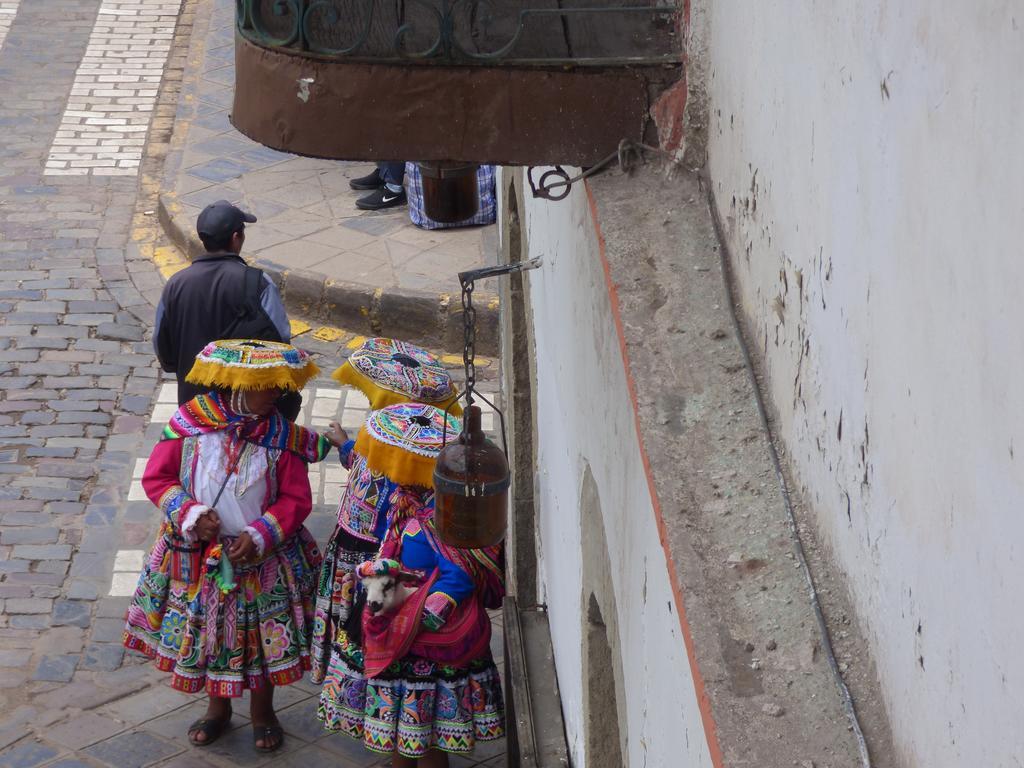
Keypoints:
pixel 241 502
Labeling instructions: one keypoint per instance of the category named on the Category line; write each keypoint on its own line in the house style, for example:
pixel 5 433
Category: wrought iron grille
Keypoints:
pixel 466 32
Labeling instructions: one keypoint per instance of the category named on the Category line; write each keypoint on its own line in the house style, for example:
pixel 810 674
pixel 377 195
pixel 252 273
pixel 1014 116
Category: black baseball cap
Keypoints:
pixel 221 219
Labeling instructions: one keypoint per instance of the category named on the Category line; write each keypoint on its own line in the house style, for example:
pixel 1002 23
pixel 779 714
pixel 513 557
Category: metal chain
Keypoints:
pixel 469 338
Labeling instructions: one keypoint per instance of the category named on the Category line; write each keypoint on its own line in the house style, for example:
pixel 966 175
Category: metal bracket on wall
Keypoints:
pixel 555 184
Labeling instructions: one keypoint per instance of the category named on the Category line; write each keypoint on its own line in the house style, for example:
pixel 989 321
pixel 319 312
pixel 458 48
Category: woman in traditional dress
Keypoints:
pixel 419 684
pixel 225 600
pixel 387 372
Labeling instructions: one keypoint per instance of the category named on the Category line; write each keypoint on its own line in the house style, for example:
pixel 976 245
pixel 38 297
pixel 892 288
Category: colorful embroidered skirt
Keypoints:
pixel 414 705
pixel 262 628
pixel 334 594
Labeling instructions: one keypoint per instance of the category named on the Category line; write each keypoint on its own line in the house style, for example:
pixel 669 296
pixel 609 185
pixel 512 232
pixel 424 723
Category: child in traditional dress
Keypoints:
pixel 387 372
pixel 421 683
pixel 225 600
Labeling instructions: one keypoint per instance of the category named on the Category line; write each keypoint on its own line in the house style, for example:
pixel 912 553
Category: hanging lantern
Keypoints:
pixel 450 191
pixel 471 477
pixel 471 482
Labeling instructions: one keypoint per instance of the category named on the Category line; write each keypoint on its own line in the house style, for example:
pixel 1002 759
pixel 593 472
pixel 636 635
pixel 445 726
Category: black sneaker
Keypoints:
pixel 370 181
pixel 381 199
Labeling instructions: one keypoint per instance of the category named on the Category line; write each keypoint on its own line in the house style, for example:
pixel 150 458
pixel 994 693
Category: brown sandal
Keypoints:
pixel 210 727
pixel 267 733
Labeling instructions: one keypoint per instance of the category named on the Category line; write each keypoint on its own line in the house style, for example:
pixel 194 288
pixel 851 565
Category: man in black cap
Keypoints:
pixel 218 296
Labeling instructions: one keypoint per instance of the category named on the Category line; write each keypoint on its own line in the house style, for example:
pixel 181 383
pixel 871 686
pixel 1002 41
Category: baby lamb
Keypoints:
pixel 386 585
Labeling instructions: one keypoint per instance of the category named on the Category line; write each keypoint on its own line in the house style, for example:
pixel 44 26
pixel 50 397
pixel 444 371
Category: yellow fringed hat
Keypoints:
pixel 391 371
pixel 247 364
pixel 403 441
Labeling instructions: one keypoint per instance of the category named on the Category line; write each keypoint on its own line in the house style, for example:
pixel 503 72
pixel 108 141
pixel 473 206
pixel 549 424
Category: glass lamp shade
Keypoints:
pixel 450 192
pixel 471 482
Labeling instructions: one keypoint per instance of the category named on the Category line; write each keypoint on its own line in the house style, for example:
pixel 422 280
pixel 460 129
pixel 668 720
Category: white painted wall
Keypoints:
pixel 584 415
pixel 882 144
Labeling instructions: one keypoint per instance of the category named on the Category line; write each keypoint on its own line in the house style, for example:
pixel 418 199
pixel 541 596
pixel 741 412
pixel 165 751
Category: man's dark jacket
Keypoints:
pixel 205 299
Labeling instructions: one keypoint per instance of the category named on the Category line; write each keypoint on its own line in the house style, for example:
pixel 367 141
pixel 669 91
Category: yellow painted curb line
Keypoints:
pixel 328 333
pixel 480 362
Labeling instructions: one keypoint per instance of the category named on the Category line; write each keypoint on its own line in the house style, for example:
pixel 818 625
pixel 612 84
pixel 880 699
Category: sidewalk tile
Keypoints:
pixel 201 198
pixel 27 755
pixel 300 720
pixel 191 759
pixel 222 145
pixel 354 267
pixel 412 281
pixel 174 726
pixel 268 182
pixel 305 757
pixel 343 207
pixel 489 750
pixel 103 657
pixel 237 747
pixel 259 238
pixel 219 96
pixel 297 255
pixel 221 169
pixel 298 223
pixel 342 238
pixel 56 669
pixel 298 194
pixel 131 750
pixel 84 730
pixel 377 223
pixel 263 209
pixel 263 156
pixel 150 703
pixel 353 752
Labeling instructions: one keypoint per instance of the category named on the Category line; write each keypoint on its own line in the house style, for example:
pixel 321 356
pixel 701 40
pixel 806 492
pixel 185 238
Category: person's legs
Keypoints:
pixel 217 711
pixel 391 194
pixel 434 758
pixel 372 180
pixel 393 175
pixel 261 710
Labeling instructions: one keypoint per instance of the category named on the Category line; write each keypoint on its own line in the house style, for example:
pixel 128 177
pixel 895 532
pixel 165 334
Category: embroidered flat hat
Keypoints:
pixel 391 371
pixel 402 441
pixel 245 364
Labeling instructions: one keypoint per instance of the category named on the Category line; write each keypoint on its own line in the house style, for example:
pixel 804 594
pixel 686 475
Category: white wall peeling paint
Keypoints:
pixel 584 416
pixel 865 160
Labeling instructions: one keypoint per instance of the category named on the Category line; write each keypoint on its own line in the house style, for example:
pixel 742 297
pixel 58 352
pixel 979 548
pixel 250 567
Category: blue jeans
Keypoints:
pixel 392 173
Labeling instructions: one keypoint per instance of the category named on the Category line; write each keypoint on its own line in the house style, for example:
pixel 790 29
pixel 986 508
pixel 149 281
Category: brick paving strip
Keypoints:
pixel 76 380
pixel 8 8
pixel 104 126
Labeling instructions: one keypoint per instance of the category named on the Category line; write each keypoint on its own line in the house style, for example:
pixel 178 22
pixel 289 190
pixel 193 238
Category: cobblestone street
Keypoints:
pixel 82 402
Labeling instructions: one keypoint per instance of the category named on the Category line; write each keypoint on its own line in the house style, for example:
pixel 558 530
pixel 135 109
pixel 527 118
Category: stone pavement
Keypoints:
pixel 78 384
pixel 76 380
pixel 369 272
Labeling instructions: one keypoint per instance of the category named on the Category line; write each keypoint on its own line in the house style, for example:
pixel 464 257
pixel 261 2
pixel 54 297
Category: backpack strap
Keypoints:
pixel 253 287
pixel 252 292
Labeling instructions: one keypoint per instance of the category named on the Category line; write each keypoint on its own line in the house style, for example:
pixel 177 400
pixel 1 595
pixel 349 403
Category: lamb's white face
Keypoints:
pixel 385 593
pixel 380 593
